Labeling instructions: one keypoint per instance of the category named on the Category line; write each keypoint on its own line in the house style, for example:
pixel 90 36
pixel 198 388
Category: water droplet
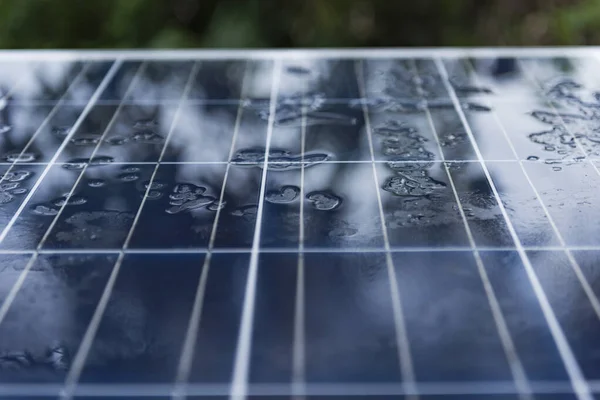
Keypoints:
pixel 252 155
pixel 73 200
pixel 80 163
pixel 552 161
pixel 311 102
pixel 300 109
pixel 75 164
pixel 129 177
pixel 5 197
pixel 533 158
pixel 215 205
pixel 16 176
pixel 116 140
pixel 289 108
pixel 546 117
pixel 130 169
pixel 4 128
pixel 403 185
pixel 9 189
pixel 96 183
pixel 154 195
pixel 324 201
pixel 184 191
pixel 402 141
pixel 286 194
pixel 391 104
pixel 101 160
pixel 247 212
pixel 156 185
pixel 476 107
pixel 450 139
pixel 557 168
pixel 16 360
pixel 20 157
pixel 84 229
pixel 563 87
pixel 57 358
pixel 278 159
pixel 197 202
pixel 549 148
pixel 295 118
pixel 187 196
pixel 61 131
pixel 393 127
pixel 19 191
pixel 412 168
pixel 147 137
pixel 145 124
pixel 297 70
pixel 43 209
pixel 280 163
pixel 313 159
pixel 9 185
pixel 87 140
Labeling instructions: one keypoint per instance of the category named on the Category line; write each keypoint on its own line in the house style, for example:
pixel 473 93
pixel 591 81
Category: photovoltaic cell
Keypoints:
pixel 393 224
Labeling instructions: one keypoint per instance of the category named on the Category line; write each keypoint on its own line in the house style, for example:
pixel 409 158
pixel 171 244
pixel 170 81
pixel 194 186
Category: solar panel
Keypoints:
pixel 306 224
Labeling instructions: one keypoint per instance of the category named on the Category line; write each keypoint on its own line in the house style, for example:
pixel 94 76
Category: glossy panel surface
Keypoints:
pixel 300 226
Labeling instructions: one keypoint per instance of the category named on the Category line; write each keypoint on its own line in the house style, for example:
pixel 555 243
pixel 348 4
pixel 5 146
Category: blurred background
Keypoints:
pixel 296 23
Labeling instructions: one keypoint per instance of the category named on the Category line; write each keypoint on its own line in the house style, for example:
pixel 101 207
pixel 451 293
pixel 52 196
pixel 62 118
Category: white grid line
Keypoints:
pixel 314 389
pixel 402 341
pixel 566 353
pixel 189 344
pixel 86 344
pixel 299 343
pixel 314 250
pixel 242 357
pixel 297 164
pixel 80 357
pixel 507 98
pixel 572 261
pixel 512 357
pixel 331 53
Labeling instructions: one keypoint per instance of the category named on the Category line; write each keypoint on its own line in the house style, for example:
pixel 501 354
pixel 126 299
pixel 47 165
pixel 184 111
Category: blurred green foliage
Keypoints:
pixel 296 23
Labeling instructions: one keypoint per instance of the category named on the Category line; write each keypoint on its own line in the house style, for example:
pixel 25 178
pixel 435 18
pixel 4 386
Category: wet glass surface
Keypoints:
pixel 378 222
pixel 563 288
pixel 440 334
pixel 49 314
pixel 350 333
pixel 149 341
